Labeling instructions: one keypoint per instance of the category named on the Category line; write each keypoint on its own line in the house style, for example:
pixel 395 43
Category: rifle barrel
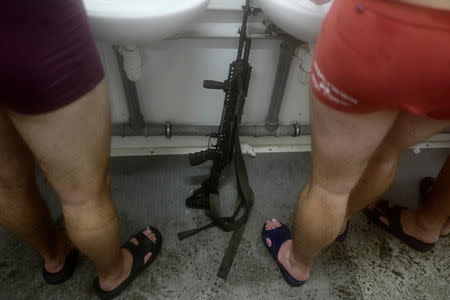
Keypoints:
pixel 243 34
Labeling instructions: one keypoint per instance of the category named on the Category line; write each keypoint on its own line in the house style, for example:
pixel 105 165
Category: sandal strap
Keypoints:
pixel 393 215
pixel 143 239
pixel 397 229
pixel 139 252
pixel 382 208
pixel 277 237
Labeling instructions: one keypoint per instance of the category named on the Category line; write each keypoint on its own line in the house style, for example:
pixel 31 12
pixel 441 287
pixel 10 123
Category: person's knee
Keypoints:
pixel 335 181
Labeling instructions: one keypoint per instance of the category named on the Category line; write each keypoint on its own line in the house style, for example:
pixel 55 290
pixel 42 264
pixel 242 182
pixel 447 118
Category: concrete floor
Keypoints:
pixel 151 190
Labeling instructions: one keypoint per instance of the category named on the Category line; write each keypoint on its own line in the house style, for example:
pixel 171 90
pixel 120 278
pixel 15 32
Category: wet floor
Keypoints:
pixel 370 264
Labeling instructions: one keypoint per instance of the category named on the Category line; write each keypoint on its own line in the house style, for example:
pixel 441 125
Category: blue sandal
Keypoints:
pixel 278 236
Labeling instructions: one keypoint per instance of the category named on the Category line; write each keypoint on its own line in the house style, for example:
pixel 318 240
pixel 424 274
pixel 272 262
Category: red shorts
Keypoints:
pixel 383 55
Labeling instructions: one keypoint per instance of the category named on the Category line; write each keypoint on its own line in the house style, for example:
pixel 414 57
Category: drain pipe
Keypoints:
pixel 168 130
pixel 136 120
pixel 287 50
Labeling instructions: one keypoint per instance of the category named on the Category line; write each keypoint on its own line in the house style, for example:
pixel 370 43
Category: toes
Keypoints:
pixel 384 220
pixel 268 242
pixel 272 224
pixel 276 223
pixel 147 257
pixel 150 235
pixel 269 225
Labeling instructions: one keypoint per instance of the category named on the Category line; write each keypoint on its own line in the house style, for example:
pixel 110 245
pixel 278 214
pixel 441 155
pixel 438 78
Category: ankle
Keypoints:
pixel 55 256
pixel 427 226
pixel 115 271
pixel 112 278
pixel 304 269
pixel 419 227
pixel 294 266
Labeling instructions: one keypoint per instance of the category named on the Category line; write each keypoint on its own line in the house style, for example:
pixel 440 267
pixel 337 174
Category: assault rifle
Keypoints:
pixel 227 149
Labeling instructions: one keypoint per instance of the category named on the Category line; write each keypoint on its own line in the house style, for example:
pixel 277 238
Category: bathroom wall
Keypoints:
pixel 171 86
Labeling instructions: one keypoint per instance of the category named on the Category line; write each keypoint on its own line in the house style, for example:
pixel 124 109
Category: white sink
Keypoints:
pixel 300 18
pixel 137 22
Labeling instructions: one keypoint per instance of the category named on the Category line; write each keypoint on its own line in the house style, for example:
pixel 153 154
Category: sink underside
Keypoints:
pixel 136 22
pixel 300 18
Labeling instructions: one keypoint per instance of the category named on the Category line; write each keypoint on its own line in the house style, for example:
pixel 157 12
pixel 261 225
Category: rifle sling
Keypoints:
pixel 247 199
pixel 227 224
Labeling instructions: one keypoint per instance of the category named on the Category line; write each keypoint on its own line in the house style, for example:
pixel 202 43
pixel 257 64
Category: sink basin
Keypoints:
pixel 300 18
pixel 137 22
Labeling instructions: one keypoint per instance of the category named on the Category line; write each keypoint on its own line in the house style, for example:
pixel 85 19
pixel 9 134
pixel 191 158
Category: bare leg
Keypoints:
pixel 342 145
pixel 22 209
pixel 72 146
pixel 432 220
pixel 407 131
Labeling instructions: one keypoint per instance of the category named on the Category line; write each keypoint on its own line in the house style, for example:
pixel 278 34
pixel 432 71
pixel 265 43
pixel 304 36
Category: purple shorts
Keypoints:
pixel 48 57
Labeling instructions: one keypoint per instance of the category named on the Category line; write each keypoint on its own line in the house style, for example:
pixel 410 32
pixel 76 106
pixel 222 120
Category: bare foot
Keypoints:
pixel 413 227
pixel 297 270
pixel 446 228
pixel 127 261
pixel 55 262
pixel 344 226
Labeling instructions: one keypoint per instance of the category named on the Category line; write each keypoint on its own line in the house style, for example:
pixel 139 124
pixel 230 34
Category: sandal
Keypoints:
pixel 138 252
pixel 69 266
pixel 278 236
pixel 66 272
pixel 395 228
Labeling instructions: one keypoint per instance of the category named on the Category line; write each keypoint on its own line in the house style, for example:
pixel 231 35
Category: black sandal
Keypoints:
pixel 138 252
pixel 395 228
pixel 66 272
pixel 69 266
